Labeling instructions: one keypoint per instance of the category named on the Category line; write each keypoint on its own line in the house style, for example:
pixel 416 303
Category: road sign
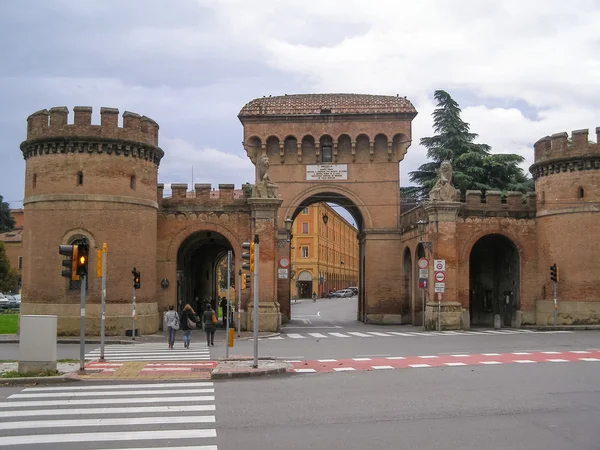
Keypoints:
pixel 440 277
pixel 440 287
pixel 284 262
pixel 439 265
pixel 439 296
pixel 423 273
pixel 282 274
pixel 422 283
pixel 423 263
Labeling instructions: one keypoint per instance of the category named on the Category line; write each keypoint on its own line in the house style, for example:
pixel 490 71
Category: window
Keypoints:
pixel 132 182
pixel 20 262
pixel 79 178
pixel 581 192
pixel 305 252
pixel 34 180
pixel 305 211
pixel 305 227
pixel 326 154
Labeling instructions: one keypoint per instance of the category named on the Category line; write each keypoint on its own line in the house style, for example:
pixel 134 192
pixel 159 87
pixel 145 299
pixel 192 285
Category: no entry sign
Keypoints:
pixel 423 263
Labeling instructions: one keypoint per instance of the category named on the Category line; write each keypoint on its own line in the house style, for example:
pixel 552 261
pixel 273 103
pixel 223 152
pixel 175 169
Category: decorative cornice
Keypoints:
pixel 89 198
pixel 83 144
pixel 572 164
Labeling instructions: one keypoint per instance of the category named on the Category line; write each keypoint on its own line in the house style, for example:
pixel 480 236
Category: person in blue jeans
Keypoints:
pixel 170 317
pixel 188 317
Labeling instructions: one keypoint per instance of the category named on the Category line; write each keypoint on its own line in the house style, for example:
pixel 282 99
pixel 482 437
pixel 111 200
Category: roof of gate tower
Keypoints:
pixel 310 104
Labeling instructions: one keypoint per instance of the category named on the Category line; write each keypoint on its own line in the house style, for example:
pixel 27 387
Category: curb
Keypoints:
pixel 563 327
pixel 215 375
pixel 19 381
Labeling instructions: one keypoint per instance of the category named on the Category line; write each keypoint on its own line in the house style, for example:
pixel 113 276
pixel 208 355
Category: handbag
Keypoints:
pixel 175 323
pixel 214 319
pixel 191 324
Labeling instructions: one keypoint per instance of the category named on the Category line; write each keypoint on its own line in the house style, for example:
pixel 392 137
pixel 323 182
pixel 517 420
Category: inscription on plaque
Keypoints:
pixel 318 172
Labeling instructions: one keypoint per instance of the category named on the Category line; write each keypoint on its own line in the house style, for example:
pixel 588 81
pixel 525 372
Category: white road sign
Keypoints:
pixel 282 274
pixel 439 265
pixel 440 277
pixel 423 273
pixel 440 287
pixel 423 263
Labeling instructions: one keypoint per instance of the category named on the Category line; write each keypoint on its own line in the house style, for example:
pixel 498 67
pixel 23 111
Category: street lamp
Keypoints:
pixel 288 227
pixel 344 283
pixel 422 227
pixel 325 219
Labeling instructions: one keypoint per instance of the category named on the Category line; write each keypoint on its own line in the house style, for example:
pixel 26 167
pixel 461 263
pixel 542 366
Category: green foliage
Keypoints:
pixel 474 166
pixel 45 373
pixel 222 268
pixel 7 222
pixel 9 323
pixel 8 276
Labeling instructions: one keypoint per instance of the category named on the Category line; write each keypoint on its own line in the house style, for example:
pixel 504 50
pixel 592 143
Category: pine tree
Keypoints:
pixel 8 276
pixel 7 222
pixel 474 166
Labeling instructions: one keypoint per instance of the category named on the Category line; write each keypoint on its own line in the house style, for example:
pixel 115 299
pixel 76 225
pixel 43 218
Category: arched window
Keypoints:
pixel 79 178
pixel 581 192
pixel 34 180
pixel 132 182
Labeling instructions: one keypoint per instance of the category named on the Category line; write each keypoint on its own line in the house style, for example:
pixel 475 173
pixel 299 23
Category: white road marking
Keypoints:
pixel 327 360
pixel 106 422
pixel 305 370
pixel 343 369
pixel 396 333
pixel 524 361
pixel 395 357
pixel 589 359
pixel 120 386
pixel 195 447
pixel 521 353
pixel 552 353
pixel 318 335
pixel 455 364
pixel 579 352
pixel 339 335
pixel 557 360
pixel 428 357
pixel 296 336
pixel 361 359
pixel 190 433
pixel 381 367
pixel 276 338
pixel 488 363
pixel 491 354
pixel 461 356
pixel 417 366
pixel 108 401
pixel 100 411
pixel 376 333
pixel 356 333
pixel 103 394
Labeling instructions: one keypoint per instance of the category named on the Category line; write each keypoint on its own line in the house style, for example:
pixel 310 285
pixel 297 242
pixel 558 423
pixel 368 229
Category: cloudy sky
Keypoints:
pixel 520 71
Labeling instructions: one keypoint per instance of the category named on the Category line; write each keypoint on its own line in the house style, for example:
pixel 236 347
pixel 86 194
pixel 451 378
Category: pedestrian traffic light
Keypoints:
pixel 82 259
pixel 554 273
pixel 70 264
pixel 136 279
pixel 248 256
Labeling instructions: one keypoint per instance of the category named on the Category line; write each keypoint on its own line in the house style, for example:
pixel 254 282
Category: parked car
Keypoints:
pixel 14 301
pixel 343 293
pixel 3 301
pixel 354 290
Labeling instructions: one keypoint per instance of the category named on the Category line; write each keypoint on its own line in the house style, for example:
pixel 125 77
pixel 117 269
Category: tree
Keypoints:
pixel 474 166
pixel 222 268
pixel 7 222
pixel 8 276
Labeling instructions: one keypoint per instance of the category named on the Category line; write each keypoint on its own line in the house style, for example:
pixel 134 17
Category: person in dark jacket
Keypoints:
pixel 209 326
pixel 223 306
pixel 188 313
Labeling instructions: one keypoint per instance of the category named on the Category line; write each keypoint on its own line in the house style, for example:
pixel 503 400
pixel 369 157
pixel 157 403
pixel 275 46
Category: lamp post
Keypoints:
pixel 422 228
pixel 288 223
pixel 344 284
pixel 325 219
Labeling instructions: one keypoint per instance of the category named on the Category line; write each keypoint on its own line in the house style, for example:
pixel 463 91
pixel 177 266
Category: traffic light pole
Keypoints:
pixel 255 281
pixel 82 325
pixel 133 317
pixel 227 311
pixel 555 305
pixel 239 305
pixel 103 316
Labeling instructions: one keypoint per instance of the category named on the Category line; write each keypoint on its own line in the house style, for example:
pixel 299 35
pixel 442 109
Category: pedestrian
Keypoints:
pixel 188 323
pixel 209 320
pixel 314 296
pixel 223 306
pixel 172 321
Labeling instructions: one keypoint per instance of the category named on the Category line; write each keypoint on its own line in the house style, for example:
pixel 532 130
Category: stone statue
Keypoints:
pixel 264 187
pixel 443 190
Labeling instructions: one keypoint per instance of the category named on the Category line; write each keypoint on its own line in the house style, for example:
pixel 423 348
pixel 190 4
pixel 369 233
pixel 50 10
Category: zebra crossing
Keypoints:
pixel 178 416
pixel 152 352
pixel 370 334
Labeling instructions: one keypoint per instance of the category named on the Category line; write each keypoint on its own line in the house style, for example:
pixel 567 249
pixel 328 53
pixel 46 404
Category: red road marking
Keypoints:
pixel 457 360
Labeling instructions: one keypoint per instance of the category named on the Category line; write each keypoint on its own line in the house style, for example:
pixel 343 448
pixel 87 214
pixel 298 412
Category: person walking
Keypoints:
pixel 171 320
pixel 223 306
pixel 314 296
pixel 209 320
pixel 188 323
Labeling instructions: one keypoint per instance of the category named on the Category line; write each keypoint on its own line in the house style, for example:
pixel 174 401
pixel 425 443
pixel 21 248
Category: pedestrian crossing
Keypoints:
pixel 370 334
pixel 152 352
pixel 156 415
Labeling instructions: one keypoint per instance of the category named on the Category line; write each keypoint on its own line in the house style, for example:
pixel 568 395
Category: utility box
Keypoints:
pixel 37 343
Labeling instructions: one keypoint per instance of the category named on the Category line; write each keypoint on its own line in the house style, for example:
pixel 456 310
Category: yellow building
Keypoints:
pixel 324 252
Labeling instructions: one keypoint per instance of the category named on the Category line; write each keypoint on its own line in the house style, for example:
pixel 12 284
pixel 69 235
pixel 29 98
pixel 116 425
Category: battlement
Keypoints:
pixel 203 194
pixel 493 200
pixel 559 146
pixel 53 123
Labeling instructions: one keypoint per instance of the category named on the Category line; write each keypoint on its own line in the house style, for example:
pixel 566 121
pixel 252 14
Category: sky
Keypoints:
pixel 518 70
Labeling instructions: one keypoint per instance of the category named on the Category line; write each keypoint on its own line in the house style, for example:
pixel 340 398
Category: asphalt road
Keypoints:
pixel 10 352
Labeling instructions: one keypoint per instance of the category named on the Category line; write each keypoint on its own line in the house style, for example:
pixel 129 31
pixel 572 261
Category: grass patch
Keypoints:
pixel 68 360
pixel 45 373
pixel 9 323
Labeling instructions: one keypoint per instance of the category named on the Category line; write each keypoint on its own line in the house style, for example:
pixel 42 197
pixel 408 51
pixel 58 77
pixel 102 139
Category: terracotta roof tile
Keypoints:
pixel 307 104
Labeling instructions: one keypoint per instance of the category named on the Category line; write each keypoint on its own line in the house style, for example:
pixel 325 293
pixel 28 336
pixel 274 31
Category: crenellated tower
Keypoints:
pixel 567 182
pixel 93 183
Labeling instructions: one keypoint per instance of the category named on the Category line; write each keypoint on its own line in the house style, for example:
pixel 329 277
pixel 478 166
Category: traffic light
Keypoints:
pixel 246 281
pixel 70 264
pixel 82 259
pixel 554 273
pixel 248 256
pixel 137 284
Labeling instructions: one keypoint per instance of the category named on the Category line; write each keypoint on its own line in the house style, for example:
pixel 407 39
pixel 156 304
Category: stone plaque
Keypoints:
pixel 318 172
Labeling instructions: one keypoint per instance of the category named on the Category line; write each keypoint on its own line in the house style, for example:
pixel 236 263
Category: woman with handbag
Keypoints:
pixel 209 319
pixel 188 323
pixel 172 322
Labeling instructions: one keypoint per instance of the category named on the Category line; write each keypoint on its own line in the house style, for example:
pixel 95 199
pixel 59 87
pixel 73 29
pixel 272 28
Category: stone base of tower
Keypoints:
pixel 269 318
pixel 569 313
pixel 450 316
pixel 384 319
pixel 118 318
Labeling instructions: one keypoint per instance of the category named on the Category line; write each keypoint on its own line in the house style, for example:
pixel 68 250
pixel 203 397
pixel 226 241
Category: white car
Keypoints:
pixel 4 303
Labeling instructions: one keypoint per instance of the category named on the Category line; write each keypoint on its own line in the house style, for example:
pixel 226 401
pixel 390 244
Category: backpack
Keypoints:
pixel 214 318
pixel 175 322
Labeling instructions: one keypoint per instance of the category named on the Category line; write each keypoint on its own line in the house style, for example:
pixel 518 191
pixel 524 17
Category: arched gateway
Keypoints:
pixel 345 149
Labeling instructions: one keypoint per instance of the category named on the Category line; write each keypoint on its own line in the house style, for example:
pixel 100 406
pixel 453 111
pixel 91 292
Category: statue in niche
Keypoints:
pixel 264 187
pixel 443 190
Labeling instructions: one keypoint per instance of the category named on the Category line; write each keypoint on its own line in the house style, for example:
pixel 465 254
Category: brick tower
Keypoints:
pixel 95 184
pixel 567 183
